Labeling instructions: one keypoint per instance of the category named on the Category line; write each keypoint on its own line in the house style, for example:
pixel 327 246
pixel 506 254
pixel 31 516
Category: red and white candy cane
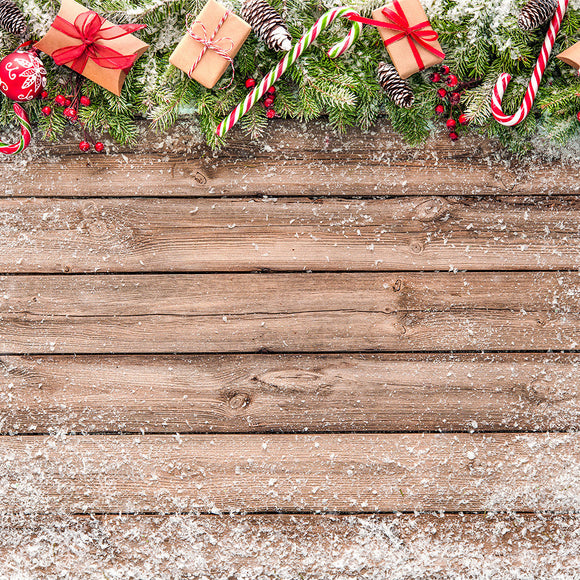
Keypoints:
pixel 260 90
pixel 25 133
pixel 505 78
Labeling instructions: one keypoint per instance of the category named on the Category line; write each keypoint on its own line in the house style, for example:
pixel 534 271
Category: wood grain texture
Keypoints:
pixel 274 547
pixel 289 313
pixel 347 473
pixel 292 159
pixel 398 234
pixel 290 393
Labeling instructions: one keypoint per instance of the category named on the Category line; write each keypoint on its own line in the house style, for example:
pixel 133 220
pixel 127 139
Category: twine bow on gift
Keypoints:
pixel 211 44
pixel 88 28
pixel 397 20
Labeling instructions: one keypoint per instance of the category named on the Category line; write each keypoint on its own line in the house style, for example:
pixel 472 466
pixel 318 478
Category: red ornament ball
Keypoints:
pixel 46 111
pixel 453 136
pixel 85 101
pixel 250 83
pixel 60 100
pixel 439 109
pixel 22 76
pixel 99 147
pixel 270 113
pixel 452 81
pixel 442 93
pixel 84 146
pixel 268 102
pixel 463 120
pixel 451 124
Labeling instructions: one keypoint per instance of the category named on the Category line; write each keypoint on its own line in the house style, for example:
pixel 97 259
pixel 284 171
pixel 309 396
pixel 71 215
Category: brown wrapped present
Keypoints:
pixel 408 36
pixel 571 56
pixel 92 46
pixel 210 44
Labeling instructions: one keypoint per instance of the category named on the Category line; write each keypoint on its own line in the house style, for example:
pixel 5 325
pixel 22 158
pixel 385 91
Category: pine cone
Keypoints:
pixel 536 12
pixel 11 18
pixel 397 89
pixel 267 24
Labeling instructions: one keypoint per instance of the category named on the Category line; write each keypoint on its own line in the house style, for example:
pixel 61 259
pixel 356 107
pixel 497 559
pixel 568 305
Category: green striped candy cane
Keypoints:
pixel 260 90
pixel 25 133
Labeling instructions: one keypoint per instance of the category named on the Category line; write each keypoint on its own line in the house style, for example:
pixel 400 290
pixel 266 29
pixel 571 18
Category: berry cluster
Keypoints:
pixel 70 109
pixel 450 105
pixel 268 100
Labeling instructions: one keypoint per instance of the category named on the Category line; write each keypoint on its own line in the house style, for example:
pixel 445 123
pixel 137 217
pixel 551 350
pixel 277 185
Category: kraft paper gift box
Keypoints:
pixel 571 56
pixel 230 37
pixel 112 45
pixel 400 51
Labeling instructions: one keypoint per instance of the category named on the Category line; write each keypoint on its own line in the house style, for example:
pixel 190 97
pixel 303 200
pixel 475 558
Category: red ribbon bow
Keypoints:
pixel 397 20
pixel 88 28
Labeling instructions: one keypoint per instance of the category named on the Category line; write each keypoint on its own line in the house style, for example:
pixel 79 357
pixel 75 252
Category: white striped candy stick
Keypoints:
pixel 534 84
pixel 25 133
pixel 260 90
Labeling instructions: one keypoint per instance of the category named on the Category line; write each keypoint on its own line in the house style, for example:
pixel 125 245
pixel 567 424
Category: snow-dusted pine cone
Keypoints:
pixel 397 89
pixel 267 24
pixel 536 12
pixel 11 18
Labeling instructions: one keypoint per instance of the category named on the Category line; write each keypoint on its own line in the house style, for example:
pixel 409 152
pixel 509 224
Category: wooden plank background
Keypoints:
pixel 275 361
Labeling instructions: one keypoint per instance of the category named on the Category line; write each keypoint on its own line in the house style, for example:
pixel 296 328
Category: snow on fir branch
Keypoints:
pixel 480 38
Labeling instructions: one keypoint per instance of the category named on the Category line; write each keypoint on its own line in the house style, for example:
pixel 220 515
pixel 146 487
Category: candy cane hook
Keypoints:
pixel 542 62
pixel 260 90
pixel 25 133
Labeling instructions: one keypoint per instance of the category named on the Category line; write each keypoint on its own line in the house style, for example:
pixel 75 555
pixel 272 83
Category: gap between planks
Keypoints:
pixel 351 473
pixel 249 313
pixel 288 161
pixel 289 393
pixel 271 547
pixel 397 234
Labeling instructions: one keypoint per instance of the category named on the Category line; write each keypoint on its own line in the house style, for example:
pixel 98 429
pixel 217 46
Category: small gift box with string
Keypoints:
pixel 92 46
pixel 210 45
pixel 408 36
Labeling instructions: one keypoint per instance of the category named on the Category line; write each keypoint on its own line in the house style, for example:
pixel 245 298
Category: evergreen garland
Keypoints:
pixel 479 43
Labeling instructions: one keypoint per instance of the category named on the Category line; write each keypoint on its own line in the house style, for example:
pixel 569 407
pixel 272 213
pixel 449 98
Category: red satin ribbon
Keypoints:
pixel 397 20
pixel 88 28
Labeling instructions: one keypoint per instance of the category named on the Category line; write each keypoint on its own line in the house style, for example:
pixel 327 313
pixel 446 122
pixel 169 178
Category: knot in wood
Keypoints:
pixel 239 400
pixel 431 209
pixel 416 247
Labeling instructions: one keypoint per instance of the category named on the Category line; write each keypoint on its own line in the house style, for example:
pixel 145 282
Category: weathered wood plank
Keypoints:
pixel 290 160
pixel 289 312
pixel 351 473
pixel 271 547
pixel 399 234
pixel 267 393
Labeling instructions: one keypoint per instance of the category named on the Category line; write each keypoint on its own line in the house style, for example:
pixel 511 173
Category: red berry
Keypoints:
pixel 250 83
pixel 463 120
pixel 85 101
pixel 442 93
pixel 435 78
pixel 272 91
pixel 84 146
pixel 452 81
pixel 70 113
pixel 60 100
pixel 453 136
pixel 268 102
pixel 99 147
pixel 46 110
pixel 445 69
pixel 455 98
pixel 451 124
pixel 67 102
pixel 270 113
pixel 578 115
pixel 44 94
pixel 439 109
